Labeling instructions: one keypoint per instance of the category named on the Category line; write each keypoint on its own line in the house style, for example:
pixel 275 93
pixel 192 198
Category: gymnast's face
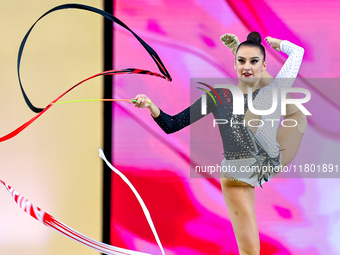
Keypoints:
pixel 249 64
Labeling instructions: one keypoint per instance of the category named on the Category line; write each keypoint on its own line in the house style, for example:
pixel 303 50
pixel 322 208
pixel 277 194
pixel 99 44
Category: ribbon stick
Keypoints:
pixel 94 100
pixel 60 227
pixel 100 100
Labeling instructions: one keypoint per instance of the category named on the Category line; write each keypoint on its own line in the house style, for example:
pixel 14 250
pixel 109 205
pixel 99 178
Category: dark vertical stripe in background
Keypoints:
pixel 107 120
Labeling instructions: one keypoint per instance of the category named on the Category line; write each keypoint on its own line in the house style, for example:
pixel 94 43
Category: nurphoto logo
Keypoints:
pixel 238 103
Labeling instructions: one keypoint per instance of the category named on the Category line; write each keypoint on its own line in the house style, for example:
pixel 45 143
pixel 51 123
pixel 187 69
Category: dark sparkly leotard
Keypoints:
pixel 241 147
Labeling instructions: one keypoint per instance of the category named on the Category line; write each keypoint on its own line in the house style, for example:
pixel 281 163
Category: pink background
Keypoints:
pixel 295 215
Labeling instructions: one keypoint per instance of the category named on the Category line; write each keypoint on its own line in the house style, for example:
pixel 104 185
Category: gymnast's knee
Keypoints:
pixel 294 113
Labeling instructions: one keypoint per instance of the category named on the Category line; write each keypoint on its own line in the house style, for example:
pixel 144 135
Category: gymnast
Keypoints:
pixel 289 138
pixel 248 145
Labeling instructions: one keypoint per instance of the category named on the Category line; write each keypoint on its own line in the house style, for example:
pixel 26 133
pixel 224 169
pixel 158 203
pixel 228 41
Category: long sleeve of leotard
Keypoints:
pixel 285 77
pixel 292 65
pixel 171 124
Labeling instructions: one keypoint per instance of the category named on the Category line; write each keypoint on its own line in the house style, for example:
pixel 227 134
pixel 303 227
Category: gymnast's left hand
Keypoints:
pixel 142 101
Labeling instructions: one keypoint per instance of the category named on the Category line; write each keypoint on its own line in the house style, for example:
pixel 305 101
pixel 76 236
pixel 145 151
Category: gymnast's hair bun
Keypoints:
pixel 254 37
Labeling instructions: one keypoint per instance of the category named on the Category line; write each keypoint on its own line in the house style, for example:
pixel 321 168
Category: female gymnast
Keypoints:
pixel 289 138
pixel 248 145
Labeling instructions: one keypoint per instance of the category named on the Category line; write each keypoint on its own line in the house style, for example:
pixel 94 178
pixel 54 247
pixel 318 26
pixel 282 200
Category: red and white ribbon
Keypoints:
pixel 60 227
pixel 140 200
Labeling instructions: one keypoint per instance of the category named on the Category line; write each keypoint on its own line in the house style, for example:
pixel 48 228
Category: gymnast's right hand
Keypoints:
pixel 141 101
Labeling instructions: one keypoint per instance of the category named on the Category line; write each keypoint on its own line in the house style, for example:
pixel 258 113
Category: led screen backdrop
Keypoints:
pixel 295 215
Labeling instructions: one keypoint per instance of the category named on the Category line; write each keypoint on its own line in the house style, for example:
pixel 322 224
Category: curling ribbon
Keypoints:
pixel 140 200
pixel 60 227
pixel 106 15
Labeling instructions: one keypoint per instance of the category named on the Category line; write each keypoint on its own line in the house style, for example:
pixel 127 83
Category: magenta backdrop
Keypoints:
pixel 295 215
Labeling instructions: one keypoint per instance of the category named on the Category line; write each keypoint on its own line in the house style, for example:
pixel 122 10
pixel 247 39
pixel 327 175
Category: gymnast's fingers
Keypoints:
pixel 141 101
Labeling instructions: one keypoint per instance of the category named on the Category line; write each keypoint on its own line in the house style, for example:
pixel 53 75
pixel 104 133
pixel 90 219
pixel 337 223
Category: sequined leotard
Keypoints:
pixel 241 147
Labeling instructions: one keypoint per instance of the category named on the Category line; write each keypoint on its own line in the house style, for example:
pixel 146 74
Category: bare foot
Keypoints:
pixel 231 41
pixel 274 43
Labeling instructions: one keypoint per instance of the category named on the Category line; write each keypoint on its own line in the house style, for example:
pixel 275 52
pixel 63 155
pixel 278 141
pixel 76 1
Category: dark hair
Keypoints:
pixel 254 40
